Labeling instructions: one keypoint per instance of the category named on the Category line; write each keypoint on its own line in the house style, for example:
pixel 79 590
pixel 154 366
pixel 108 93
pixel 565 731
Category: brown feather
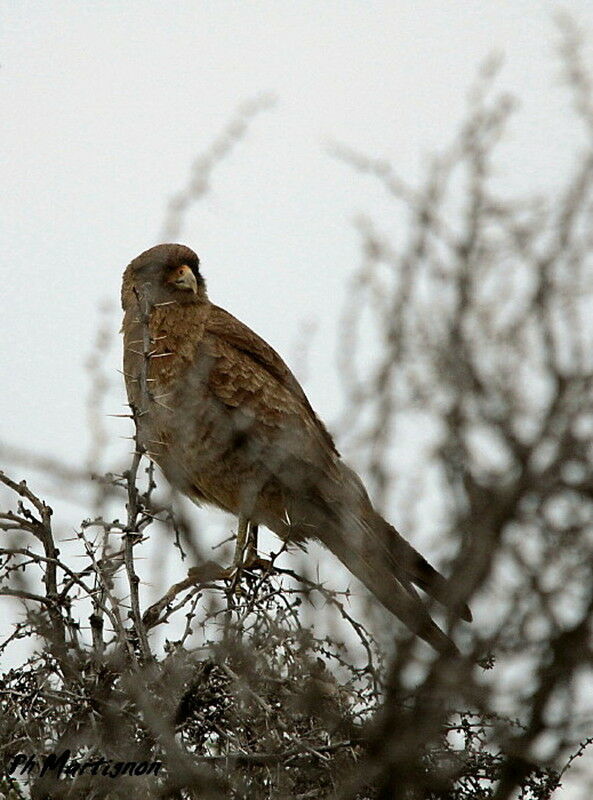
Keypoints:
pixel 229 424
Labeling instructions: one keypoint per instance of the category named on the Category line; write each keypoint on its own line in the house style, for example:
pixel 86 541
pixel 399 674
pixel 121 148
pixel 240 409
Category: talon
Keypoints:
pixel 257 563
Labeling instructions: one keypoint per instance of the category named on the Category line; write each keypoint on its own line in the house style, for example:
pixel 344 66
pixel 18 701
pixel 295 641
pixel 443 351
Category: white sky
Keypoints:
pixel 105 105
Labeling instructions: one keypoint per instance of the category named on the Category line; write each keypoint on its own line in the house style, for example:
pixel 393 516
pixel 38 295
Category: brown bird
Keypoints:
pixel 228 423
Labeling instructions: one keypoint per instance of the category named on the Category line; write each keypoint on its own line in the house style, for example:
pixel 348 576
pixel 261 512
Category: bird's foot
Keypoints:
pixel 255 563
pixel 247 561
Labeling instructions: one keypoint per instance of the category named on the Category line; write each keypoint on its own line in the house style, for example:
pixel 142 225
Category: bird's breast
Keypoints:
pixel 164 378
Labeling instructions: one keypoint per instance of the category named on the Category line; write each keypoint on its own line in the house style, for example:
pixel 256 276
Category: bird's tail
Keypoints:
pixel 406 561
pixel 343 518
pixel 396 595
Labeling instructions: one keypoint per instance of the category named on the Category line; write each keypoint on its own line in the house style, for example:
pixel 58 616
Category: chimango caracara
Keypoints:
pixel 229 424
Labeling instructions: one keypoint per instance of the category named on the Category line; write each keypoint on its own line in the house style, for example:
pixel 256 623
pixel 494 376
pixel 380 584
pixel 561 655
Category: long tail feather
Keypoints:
pixel 405 558
pixel 339 513
pixel 391 593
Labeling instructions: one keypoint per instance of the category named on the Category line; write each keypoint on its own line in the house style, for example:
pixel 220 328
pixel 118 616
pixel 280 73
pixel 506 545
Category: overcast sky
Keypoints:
pixel 106 104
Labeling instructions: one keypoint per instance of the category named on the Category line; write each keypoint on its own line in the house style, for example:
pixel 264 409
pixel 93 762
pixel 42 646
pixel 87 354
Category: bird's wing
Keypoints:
pixel 249 375
pixel 323 497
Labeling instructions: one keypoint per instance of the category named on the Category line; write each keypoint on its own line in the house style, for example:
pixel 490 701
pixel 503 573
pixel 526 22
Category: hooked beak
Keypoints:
pixel 184 278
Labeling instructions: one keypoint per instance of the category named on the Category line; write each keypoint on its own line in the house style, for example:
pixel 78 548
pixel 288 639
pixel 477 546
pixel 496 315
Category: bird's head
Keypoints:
pixel 166 273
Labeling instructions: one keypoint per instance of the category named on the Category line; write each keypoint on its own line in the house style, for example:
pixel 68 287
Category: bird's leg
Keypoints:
pixel 253 560
pixel 242 528
pixel 246 557
pixel 251 552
